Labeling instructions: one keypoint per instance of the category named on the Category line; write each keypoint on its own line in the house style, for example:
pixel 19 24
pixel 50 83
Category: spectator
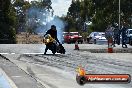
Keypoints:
pixel 116 35
pixel 124 35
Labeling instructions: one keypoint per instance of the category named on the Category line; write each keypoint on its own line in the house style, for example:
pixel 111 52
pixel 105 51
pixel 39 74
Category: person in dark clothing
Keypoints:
pixel 124 36
pixel 116 35
pixel 53 33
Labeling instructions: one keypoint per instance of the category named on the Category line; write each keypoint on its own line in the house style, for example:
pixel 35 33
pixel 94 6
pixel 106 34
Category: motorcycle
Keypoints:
pixel 52 45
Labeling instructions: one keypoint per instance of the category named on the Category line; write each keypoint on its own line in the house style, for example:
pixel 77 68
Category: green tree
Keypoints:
pixel 100 12
pixel 73 15
pixel 106 12
pixel 21 7
pixel 7 22
pixel 79 13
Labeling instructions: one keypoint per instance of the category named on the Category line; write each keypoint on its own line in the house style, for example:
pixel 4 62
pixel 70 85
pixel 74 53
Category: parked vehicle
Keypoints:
pixel 66 37
pixel 65 34
pixel 72 37
pixel 96 37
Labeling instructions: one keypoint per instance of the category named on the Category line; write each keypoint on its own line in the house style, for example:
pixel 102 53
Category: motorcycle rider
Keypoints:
pixel 53 33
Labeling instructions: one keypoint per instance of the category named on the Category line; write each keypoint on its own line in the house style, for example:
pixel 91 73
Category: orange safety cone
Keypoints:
pixel 76 46
pixel 110 48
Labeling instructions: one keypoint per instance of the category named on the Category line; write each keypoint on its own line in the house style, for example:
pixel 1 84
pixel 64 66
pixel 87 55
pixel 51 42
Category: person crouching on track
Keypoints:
pixel 53 33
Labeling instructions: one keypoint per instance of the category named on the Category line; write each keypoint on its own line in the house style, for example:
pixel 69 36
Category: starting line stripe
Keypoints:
pixel 26 53
pixel 4 53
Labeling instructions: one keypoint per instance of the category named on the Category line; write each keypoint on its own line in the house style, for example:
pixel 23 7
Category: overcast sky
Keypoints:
pixel 60 6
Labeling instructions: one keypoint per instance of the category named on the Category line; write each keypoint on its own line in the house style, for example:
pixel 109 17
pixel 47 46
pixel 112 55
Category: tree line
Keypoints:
pixel 14 15
pixel 83 16
pixel 100 13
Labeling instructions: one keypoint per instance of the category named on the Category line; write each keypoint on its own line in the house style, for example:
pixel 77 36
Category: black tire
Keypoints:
pixel 69 42
pixel 130 43
pixel 62 50
pixel 53 53
pixel 88 40
pixel 95 41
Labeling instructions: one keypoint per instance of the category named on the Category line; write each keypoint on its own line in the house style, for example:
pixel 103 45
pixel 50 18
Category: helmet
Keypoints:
pixel 53 27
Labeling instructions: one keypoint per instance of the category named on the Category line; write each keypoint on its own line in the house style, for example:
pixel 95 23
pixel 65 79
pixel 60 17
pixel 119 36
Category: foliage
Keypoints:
pixel 100 12
pixel 38 14
pixel 7 22
pixel 21 8
pixel 14 17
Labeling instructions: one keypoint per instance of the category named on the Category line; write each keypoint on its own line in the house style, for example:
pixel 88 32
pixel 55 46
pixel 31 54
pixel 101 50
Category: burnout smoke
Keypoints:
pixel 40 20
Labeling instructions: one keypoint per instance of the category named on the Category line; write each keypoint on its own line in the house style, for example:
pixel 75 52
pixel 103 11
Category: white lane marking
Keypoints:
pixel 28 53
pixel 16 76
pixel 7 53
pixel 13 53
pixel 4 53
pixel 33 53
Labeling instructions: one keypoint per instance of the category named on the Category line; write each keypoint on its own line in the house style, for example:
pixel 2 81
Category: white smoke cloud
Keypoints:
pixel 59 26
pixel 60 7
pixel 42 21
